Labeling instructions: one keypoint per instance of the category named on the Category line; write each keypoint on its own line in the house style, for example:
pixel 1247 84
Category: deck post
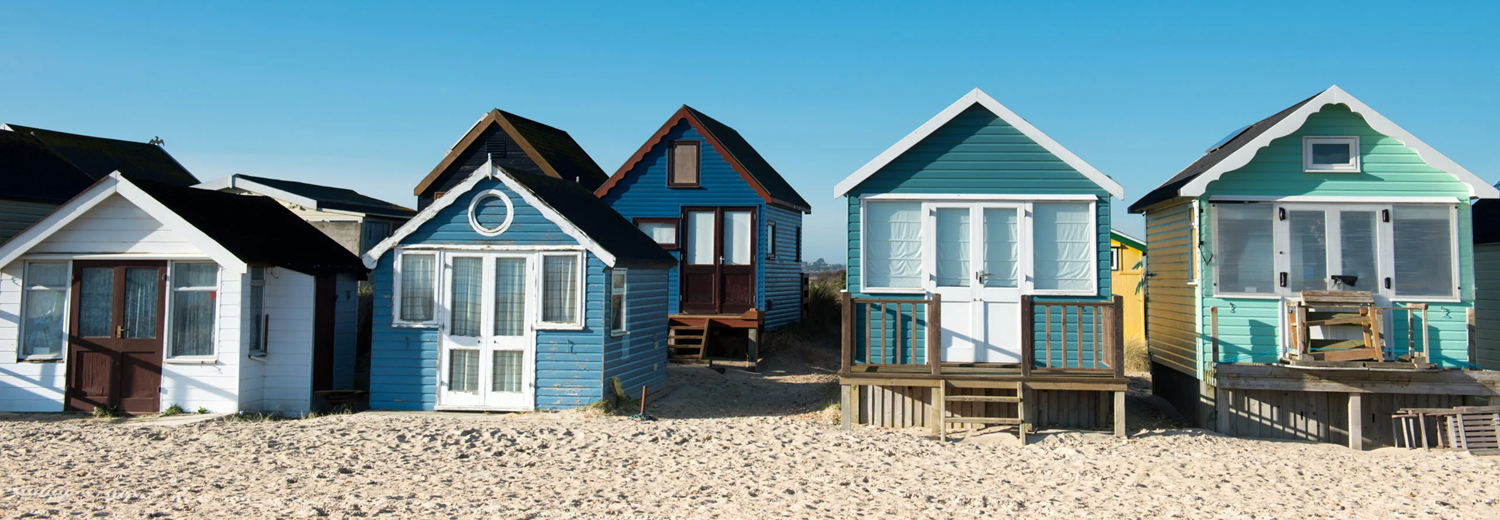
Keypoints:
pixel 846 406
pixel 1221 410
pixel 935 334
pixel 1213 334
pixel 1120 414
pixel 1028 336
pixel 846 307
pixel 1356 423
pixel 1117 350
pixel 939 403
pixel 752 348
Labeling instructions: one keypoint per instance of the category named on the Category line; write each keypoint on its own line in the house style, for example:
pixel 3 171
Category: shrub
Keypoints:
pixel 172 410
pixel 1136 357
pixel 104 411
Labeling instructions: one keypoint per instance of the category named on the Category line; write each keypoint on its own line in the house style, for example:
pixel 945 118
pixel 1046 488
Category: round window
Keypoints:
pixel 490 213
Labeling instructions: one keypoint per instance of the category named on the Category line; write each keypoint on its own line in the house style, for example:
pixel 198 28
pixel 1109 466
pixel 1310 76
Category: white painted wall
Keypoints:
pixel 213 386
pixel 24 386
pixel 345 331
pixel 287 382
pixel 116 226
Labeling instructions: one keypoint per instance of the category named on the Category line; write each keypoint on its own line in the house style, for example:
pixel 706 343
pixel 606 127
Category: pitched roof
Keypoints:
pixel 1486 219
pixel 31 171
pixel 97 157
pixel 552 149
pixel 741 156
pixel 978 97
pixel 1127 240
pixel 1241 148
pixel 311 195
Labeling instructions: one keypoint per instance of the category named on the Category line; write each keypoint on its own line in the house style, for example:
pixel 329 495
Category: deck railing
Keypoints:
pixel 1075 335
pixel 1393 341
pixel 892 330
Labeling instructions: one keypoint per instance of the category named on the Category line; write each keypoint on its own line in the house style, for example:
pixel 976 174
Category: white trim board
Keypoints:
pixel 980 197
pixel 1333 96
pixel 977 96
pixel 1334 199
pixel 372 257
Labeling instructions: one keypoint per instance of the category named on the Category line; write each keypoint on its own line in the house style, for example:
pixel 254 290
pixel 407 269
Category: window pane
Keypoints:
pixel 468 276
pixel 510 296
pixel 43 318
pixel 1064 247
pixel 53 275
pixel 1358 250
pixel 1330 153
pixel 893 244
pixel 195 275
pixel 507 371
pixel 192 323
pixel 617 312
pixel 685 163
pixel 771 239
pixel 416 287
pixel 1307 232
pixel 1424 251
pixel 700 233
pixel 463 370
pixel 953 247
pixel 661 232
pixel 1244 252
pixel 737 237
pixel 96 301
pixel 140 302
pixel 560 289
pixel 256 315
pixel 1001 247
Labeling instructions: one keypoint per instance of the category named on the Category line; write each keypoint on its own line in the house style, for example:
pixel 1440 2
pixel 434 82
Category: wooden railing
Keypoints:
pixel 1089 335
pixel 898 331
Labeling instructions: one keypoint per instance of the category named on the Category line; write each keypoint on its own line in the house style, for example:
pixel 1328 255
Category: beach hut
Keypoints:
pixel 734 224
pixel 354 220
pixel 136 296
pixel 1311 274
pixel 515 289
pixel 979 281
pixel 1486 325
pixel 1127 266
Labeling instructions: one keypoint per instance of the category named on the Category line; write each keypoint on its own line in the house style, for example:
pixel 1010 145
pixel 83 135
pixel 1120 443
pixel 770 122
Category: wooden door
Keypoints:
pixel 116 322
pixel 326 298
pixel 718 260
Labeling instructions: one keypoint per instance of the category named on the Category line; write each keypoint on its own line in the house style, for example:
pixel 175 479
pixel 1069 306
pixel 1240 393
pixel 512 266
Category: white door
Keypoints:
pixel 973 260
pixel 1318 242
pixel 487 357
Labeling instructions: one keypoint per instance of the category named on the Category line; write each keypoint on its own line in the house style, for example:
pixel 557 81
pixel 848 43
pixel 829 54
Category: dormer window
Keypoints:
pixel 1330 154
pixel 682 164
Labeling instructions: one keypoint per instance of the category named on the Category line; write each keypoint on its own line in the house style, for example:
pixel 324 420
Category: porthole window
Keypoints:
pixel 490 213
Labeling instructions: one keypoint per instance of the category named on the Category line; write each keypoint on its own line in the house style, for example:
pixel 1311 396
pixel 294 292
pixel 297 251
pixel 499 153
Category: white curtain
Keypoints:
pixel 700 233
pixel 1424 250
pixel 737 237
pixel 463 370
pixel 417 286
pixel 560 289
pixel 96 299
pixel 1001 247
pixel 1064 243
pixel 510 296
pixel 1308 235
pixel 661 232
pixel 468 277
pixel 1244 254
pixel 953 247
pixel 43 320
pixel 140 302
pixel 506 370
pixel 893 244
pixel 1357 249
pixel 193 287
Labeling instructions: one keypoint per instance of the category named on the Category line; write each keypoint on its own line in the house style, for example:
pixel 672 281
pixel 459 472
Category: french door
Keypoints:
pixel 718 260
pixel 1323 247
pixel 487 360
pixel 115 336
pixel 974 262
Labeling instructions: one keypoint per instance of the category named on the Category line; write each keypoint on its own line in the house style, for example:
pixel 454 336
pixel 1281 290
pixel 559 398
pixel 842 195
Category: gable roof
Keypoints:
pixel 575 209
pixel 311 195
pixel 1485 216
pixel 742 157
pixel 1240 149
pixel 1128 240
pixel 31 171
pixel 552 149
pixel 97 157
pixel 215 222
pixel 978 97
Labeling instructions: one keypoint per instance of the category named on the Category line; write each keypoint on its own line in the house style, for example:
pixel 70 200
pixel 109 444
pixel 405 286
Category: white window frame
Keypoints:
pixel 1453 250
pixel 580 286
pixel 1029 249
pixel 771 240
pixel 257 323
pixel 26 290
pixel 1114 258
pixel 623 319
pixel 396 275
pixel 1276 294
pixel 172 291
pixel 1309 166
pixel 864 245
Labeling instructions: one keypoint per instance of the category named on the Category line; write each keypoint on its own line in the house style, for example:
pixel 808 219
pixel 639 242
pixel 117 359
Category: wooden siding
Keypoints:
pixel 287 383
pixel 911 407
pixel 403 360
pixel 1487 306
pixel 570 363
pixel 17 215
pixel 345 331
pixel 1249 330
pixel 24 387
pixel 115 226
pixel 1323 416
pixel 639 358
pixel 780 276
pixel 1129 282
pixel 1171 303
pixel 492 143
pixel 213 386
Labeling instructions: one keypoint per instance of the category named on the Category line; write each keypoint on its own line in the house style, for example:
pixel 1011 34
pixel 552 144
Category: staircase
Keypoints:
pixel 687 339
pixel 957 405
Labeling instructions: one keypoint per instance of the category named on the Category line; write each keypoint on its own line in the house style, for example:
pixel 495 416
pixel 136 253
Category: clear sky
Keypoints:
pixel 369 95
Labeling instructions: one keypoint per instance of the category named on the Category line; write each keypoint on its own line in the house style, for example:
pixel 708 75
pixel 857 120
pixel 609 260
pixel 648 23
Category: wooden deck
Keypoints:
pixel 691 337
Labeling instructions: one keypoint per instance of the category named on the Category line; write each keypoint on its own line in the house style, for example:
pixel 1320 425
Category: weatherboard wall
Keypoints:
pixel 492 145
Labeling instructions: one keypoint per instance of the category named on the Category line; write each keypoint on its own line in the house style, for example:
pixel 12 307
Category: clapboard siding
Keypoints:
pixel 493 144
pixel 115 226
pixel 1171 303
pixel 345 331
pixel 911 407
pixel 1487 306
pixel 570 363
pixel 24 387
pixel 780 275
pixel 639 357
pixel 289 299
pixel 403 360
pixel 1324 416
pixel 17 215
pixel 212 385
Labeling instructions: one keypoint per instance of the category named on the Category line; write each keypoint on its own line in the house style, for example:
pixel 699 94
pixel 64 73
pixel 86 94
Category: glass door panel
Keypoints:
pixel 952 247
pixel 510 296
pixel 1358 249
pixel 508 351
pixel 96 302
pixel 140 302
pixel 1002 246
pixel 462 333
pixel 700 235
pixel 738 234
pixel 1307 235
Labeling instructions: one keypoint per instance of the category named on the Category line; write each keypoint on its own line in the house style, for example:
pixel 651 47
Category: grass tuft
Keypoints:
pixel 172 410
pixel 106 411
pixel 1136 357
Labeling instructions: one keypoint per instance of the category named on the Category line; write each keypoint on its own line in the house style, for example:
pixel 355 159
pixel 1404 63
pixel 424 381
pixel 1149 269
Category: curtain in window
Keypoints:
pixel 140 302
pixel 1308 235
pixel 417 287
pixel 1244 253
pixel 96 299
pixel 468 277
pixel 1358 249
pixel 510 296
pixel 192 324
pixel 700 235
pixel 893 244
pixel 43 319
pixel 1064 247
pixel 685 163
pixel 953 247
pixel 560 289
pixel 507 370
pixel 463 370
pixel 1424 250
pixel 1001 247
pixel 737 238
pixel 661 232
pixel 617 302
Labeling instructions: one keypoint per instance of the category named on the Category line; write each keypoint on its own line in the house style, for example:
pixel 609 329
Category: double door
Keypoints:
pixel 115 331
pixel 718 260
pixel 974 261
pixel 487 359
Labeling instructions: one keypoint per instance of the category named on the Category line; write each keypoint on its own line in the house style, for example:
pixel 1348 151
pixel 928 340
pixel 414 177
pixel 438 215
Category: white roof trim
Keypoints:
pixel 1335 95
pixel 372 257
pixel 963 103
pixel 236 181
pixel 111 185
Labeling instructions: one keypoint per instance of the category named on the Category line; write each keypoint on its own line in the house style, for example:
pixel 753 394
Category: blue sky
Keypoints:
pixel 369 95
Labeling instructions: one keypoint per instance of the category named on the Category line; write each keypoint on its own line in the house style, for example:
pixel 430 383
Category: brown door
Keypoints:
pixel 115 335
pixel 718 260
pixel 326 299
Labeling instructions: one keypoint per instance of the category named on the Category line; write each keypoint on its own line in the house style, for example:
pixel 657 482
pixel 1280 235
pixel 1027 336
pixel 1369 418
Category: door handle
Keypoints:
pixel 120 331
pixel 1283 279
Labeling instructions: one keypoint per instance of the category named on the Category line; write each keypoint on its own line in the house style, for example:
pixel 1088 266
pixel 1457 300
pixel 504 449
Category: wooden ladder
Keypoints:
pixel 687 339
pixel 1017 397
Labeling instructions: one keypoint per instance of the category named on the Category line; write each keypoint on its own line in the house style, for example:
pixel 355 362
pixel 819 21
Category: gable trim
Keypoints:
pixel 1333 96
pixel 372 257
pixel 978 97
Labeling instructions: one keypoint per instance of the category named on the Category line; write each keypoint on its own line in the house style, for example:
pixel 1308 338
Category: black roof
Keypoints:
pixel 31 171
pixel 98 156
pixel 740 149
pixel 1169 190
pixel 609 229
pixel 257 230
pixel 558 149
pixel 329 197
pixel 1486 219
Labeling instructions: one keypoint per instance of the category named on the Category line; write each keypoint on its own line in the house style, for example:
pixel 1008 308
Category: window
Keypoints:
pixel 662 230
pixel 560 288
pixel 416 281
pixel 1243 249
pixel 682 164
pixel 256 311
pixel 893 245
pixel 44 312
pixel 618 319
pixel 1114 259
pixel 1064 243
pixel 194 287
pixel 1424 258
pixel 797 245
pixel 770 240
pixel 1330 154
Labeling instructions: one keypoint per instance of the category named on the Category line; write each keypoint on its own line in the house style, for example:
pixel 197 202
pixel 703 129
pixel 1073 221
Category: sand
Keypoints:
pixel 736 445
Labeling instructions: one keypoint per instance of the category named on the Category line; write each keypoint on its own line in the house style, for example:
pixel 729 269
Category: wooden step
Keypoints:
pixel 686 336
pixel 1341 320
pixel 981 399
pixel 1004 385
pixel 984 420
